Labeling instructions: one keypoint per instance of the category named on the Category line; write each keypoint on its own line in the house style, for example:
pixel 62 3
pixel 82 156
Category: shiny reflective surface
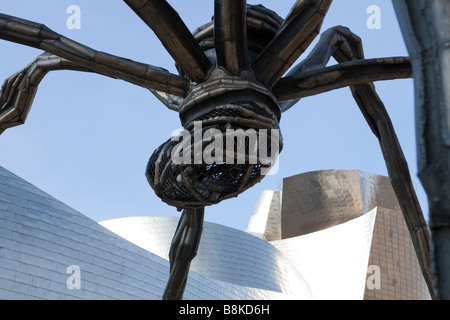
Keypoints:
pixel 41 238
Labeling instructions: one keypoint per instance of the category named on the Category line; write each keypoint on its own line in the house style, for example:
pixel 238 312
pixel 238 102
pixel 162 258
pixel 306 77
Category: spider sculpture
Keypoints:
pixel 231 76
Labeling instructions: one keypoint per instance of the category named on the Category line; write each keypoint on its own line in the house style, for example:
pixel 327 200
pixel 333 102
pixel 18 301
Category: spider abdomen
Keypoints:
pixel 230 141
pixel 231 135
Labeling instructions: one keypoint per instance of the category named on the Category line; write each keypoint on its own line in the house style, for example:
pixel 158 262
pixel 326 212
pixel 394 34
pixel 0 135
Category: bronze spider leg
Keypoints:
pixel 426 29
pixel 230 40
pixel 171 101
pixel 70 55
pixel 182 250
pixel 230 35
pixel 19 90
pixel 299 29
pixel 290 89
pixel 174 35
pixel 37 35
pixel 343 45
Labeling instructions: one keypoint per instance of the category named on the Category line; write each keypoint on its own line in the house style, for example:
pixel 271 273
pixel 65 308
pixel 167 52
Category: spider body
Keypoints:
pixel 229 107
pixel 224 103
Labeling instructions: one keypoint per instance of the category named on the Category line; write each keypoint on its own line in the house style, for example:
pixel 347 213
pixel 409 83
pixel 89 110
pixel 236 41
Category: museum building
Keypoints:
pixel 327 235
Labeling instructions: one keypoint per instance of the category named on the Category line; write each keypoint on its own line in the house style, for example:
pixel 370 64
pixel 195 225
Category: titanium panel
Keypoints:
pixel 334 261
pixel 40 238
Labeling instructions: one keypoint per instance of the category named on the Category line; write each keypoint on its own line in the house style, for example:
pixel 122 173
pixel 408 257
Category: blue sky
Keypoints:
pixel 88 138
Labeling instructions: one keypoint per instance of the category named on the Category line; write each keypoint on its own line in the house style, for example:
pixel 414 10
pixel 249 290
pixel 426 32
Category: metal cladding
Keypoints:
pixel 50 251
pixel 316 217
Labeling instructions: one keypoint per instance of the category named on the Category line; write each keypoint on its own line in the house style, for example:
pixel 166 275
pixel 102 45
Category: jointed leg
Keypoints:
pixel 39 36
pixel 290 89
pixel 344 46
pixel 183 249
pixel 338 42
pixel 171 101
pixel 335 42
pixel 377 117
pixel 174 35
pixel 230 35
pixel 297 32
pixel 18 91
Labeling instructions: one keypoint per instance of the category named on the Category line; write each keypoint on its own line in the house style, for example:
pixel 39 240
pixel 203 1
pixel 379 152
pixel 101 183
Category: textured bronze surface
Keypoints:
pixel 426 29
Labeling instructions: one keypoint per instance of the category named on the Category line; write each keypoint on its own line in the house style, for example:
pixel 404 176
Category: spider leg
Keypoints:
pixel 182 250
pixel 378 118
pixel 18 91
pixel 345 46
pixel 174 35
pixel 230 35
pixel 334 42
pixel 426 29
pixel 290 89
pixel 39 36
pixel 310 76
pixel 171 101
pixel 297 32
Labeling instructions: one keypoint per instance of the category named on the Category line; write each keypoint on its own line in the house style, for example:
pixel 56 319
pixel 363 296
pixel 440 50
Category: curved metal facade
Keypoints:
pixel 41 239
pixel 314 204
pixel 50 251
pixel 224 254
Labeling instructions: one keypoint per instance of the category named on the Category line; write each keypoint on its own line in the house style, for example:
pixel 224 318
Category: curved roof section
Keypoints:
pixel 41 238
pixel 224 253
pixel 334 261
pixel 317 200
